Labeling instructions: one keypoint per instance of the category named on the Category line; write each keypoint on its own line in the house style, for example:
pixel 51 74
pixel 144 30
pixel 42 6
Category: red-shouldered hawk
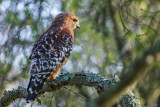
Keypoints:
pixel 50 52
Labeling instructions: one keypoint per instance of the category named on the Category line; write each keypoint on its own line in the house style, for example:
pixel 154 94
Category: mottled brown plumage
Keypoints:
pixel 50 52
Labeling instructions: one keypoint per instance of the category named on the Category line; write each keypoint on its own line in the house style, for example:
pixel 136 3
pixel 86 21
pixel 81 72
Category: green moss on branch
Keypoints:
pixel 80 78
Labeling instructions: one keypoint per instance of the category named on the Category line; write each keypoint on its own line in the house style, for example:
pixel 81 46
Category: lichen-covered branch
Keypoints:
pixel 80 78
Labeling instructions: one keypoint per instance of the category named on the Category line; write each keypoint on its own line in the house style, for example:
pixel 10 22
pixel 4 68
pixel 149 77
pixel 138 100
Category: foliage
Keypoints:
pixel 113 34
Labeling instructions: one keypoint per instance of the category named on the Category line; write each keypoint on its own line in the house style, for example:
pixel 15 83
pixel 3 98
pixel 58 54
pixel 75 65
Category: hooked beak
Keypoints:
pixel 78 25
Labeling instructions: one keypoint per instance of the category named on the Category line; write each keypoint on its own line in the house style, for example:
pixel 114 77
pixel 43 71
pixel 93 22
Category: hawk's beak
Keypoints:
pixel 78 25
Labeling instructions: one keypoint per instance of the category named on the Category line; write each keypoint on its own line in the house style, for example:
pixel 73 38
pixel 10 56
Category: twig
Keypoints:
pixel 75 93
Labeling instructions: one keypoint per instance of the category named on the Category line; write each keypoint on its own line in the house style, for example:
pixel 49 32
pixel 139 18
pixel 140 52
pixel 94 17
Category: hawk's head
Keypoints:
pixel 66 19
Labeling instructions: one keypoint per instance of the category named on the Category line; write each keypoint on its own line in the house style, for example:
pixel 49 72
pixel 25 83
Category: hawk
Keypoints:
pixel 50 52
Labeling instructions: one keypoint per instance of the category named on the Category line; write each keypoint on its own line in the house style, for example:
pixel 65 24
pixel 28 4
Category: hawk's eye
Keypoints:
pixel 74 20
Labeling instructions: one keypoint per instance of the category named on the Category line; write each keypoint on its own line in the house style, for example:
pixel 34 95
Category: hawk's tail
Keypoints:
pixel 35 85
pixel 30 97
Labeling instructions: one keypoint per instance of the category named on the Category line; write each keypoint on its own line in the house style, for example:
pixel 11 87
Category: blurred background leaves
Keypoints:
pixel 113 33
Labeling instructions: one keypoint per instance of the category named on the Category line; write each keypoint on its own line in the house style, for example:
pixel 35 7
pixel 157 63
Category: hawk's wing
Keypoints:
pixel 48 54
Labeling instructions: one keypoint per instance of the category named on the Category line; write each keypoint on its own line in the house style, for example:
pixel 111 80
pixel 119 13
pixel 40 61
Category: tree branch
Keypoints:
pixel 80 78
pixel 135 73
